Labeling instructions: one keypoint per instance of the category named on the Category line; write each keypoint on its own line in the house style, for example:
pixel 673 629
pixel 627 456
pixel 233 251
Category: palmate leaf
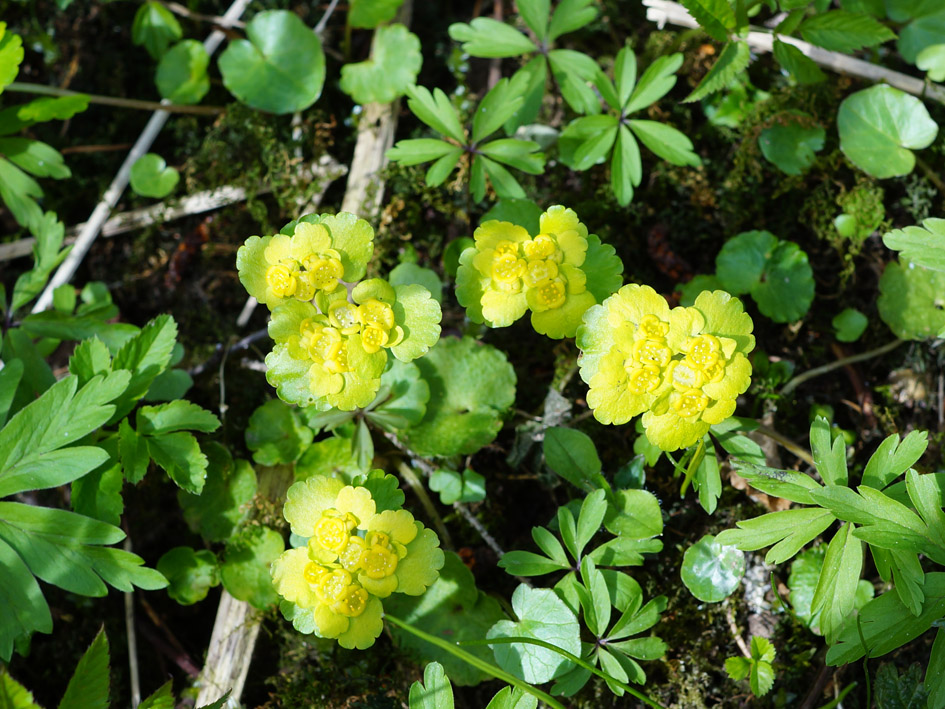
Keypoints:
pixel 536 14
pixel 436 111
pixel 498 106
pixel 667 142
pixel 733 60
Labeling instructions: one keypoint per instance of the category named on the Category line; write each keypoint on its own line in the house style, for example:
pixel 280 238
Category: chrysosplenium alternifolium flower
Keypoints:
pixel 509 271
pixel 332 337
pixel 681 368
pixel 355 556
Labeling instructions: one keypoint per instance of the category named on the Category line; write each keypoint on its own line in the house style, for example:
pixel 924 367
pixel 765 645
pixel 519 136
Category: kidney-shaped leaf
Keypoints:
pixel 880 126
pixel 280 68
pixel 712 571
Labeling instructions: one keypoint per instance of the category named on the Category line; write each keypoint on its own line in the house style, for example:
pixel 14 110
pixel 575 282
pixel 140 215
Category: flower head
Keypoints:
pixel 354 557
pixel 682 368
pixel 509 271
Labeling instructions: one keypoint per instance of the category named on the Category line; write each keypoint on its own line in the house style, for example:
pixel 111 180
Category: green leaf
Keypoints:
pixel 226 500
pixel 182 73
pixel 132 452
pixel 405 274
pixel 88 687
pixel 880 126
pixel 733 60
pixel 570 15
pixel 245 568
pixel 14 695
pixel 849 324
pixel 403 397
pixel 485 37
pixel 471 386
pixel 156 28
pixel 498 106
pixel 590 518
pixel 421 150
pixel 280 68
pixel 922 245
pixel 190 574
pixel 716 17
pixel 520 154
pixel 905 691
pixel 579 133
pixel 151 177
pixel 636 515
pixel 453 609
pixel 393 66
pixel 802 582
pixel 276 434
pixel 10 377
pixel 435 693
pixel 526 563
pixel 791 146
pixel 40 110
pixel 836 588
pixel 20 594
pixel 935 673
pixel 544 616
pixel 737 668
pixel 595 148
pixel 762 676
pixel 180 456
pixel 830 455
pixel 712 571
pixel 161 698
pixel 799 65
pixel 667 142
pixel 177 415
pixel 368 14
pixel 536 14
pixel 910 301
pixel 11 54
pixel 932 60
pixel 842 31
pixel 19 191
pixel 574 72
pixel 626 169
pixel 893 458
pixel 775 272
pixel 522 212
pixel 442 168
pixel 332 456
pixel 35 157
pixel 513 698
pixel 655 83
pixel 625 75
pixel 146 355
pixel 98 494
pixel 436 111
pixel 572 455
pixel 385 490
pixel 453 487
pixel 169 385
pixel 926 29
pixel 787 530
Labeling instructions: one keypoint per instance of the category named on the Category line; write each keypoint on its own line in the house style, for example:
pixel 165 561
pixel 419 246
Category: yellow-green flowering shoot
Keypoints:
pixel 682 368
pixel 354 557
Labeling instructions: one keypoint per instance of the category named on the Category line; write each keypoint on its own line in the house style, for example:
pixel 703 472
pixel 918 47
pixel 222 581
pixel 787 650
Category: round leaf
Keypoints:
pixel 880 126
pixel 151 177
pixel 394 64
pixel 711 571
pixel 155 27
pixel 182 73
pixel 911 300
pixel 543 616
pixel 280 68
pixel 849 325
pixel 791 146
pixel 932 60
pixel 190 574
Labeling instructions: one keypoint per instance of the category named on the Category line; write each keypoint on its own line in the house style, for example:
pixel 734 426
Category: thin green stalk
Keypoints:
pixel 573 658
pixel 817 371
pixel 28 88
pixel 476 662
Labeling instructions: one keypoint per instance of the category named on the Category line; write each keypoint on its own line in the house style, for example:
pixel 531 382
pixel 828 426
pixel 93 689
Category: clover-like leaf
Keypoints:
pixel 394 64
pixel 776 273
pixel 711 571
pixel 280 68
pixel 880 127
pixel 911 301
pixel 543 616
pixel 471 386
pixel 182 73
pixel 151 177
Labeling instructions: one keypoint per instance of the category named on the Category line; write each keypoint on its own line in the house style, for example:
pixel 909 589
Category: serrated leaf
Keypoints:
pixel 11 54
pixel 180 456
pixel 922 245
pixel 14 695
pixel 716 17
pixel 276 434
pixel 177 415
pixel 842 31
pixel 161 698
pixel 88 687
pixel 734 59
pixel 226 500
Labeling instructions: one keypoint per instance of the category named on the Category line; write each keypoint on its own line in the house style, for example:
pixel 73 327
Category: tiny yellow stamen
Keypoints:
pixel 374 313
pixel 541 247
pixel 281 280
pixel 704 351
pixel 378 561
pixel 354 602
pixel 507 267
pixel 652 328
pixel 540 271
pixel 325 273
pixel 344 316
pixel 651 352
pixel 325 344
pixel 333 586
pixel 552 294
pixel 338 363
pixel 506 247
pixel 686 377
pixel 690 403
pixel 332 533
pixel 313 572
pixel 350 557
pixel 644 379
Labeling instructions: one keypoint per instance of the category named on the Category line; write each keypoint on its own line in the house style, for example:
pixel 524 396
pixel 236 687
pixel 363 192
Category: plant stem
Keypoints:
pixel 476 662
pixel 817 371
pixel 28 88
pixel 573 658
pixel 179 9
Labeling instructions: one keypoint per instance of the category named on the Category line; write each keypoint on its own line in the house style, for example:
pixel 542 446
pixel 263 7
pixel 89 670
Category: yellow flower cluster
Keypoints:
pixel 682 368
pixel 354 557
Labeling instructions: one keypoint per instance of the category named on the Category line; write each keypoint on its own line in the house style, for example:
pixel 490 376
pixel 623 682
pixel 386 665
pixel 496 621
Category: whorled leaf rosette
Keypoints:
pixel 682 368
pixel 508 272
pixel 354 557
pixel 309 256
pixel 331 354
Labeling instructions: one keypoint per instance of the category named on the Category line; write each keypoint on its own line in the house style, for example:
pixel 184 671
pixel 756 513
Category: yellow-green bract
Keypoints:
pixel 681 368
